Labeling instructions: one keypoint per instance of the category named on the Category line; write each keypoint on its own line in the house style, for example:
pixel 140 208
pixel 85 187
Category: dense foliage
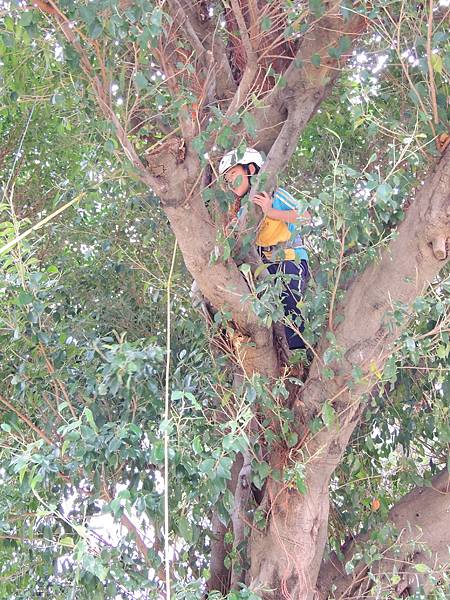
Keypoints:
pixel 83 299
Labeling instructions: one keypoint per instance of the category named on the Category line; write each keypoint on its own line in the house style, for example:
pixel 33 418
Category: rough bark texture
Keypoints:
pixel 222 283
pixel 422 522
pixel 295 103
pixel 286 556
pixel 297 523
pixel 219 575
pixel 307 85
pixel 286 112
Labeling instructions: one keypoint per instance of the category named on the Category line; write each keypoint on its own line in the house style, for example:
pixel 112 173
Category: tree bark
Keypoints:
pixel 221 282
pixel 286 558
pixel 306 81
pixel 219 575
pixel 422 522
pixel 294 103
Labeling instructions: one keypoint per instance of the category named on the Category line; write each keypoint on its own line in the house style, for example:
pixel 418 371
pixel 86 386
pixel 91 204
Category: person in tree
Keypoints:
pixel 278 241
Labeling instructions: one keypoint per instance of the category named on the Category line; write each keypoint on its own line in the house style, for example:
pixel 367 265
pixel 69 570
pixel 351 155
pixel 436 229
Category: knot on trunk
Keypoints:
pixel 437 234
pixel 163 160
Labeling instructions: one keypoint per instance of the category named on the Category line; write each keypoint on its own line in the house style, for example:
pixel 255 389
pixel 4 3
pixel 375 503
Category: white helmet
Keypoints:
pixel 231 159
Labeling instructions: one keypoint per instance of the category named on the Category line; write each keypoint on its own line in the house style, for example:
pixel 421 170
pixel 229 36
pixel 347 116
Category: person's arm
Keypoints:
pixel 288 216
pixel 264 201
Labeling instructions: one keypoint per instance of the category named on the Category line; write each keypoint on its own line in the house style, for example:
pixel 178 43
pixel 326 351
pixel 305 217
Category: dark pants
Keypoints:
pixel 293 289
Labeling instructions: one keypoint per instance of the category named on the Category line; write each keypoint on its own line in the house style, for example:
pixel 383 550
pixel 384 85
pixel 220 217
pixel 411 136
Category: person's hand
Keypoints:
pixel 231 226
pixel 264 201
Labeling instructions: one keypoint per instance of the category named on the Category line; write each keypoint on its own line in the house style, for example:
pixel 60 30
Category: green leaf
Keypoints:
pixel 115 444
pixel 328 373
pixel 207 466
pixel 442 351
pixel 282 81
pixel 315 59
pixel 110 146
pixel 93 565
pixel 421 568
pixel 317 7
pixel 141 81
pixel 87 13
pixel 344 44
pixel 95 29
pixel 24 298
pixel 260 472
pixel 157 17
pixel 410 344
pixel 300 483
pixel 334 53
pixel 437 63
pixel 158 452
pixel 328 415
pixel 266 23
pixel 390 369
pixel 329 355
pixel 384 192
pixel 184 528
pixel 197 445
pixel 291 439
pixel 447 60
pixel 90 418
pixel 249 123
pixel 67 541
pixel 224 467
pixel 26 18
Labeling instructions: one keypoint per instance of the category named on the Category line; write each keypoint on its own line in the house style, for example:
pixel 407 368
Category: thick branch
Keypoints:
pixel 366 336
pixel 241 499
pixel 181 17
pixel 422 521
pixel 134 531
pixel 367 332
pixel 221 282
pixel 219 575
pixel 201 29
pixel 306 85
pixel 130 526
pixel 251 65
pixel 222 578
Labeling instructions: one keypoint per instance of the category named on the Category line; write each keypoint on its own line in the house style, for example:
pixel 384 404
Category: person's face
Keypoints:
pixel 238 180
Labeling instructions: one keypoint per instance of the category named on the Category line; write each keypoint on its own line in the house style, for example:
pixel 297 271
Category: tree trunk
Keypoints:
pixel 286 557
pixel 422 522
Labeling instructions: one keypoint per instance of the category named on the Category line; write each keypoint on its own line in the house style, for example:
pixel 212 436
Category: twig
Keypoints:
pixel 251 66
pixel 188 28
pixel 404 65
pixel 142 547
pixel 336 284
pixel 128 524
pixel 430 66
pixel 28 421
pixel 166 420
pixel 58 383
pixel 40 224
